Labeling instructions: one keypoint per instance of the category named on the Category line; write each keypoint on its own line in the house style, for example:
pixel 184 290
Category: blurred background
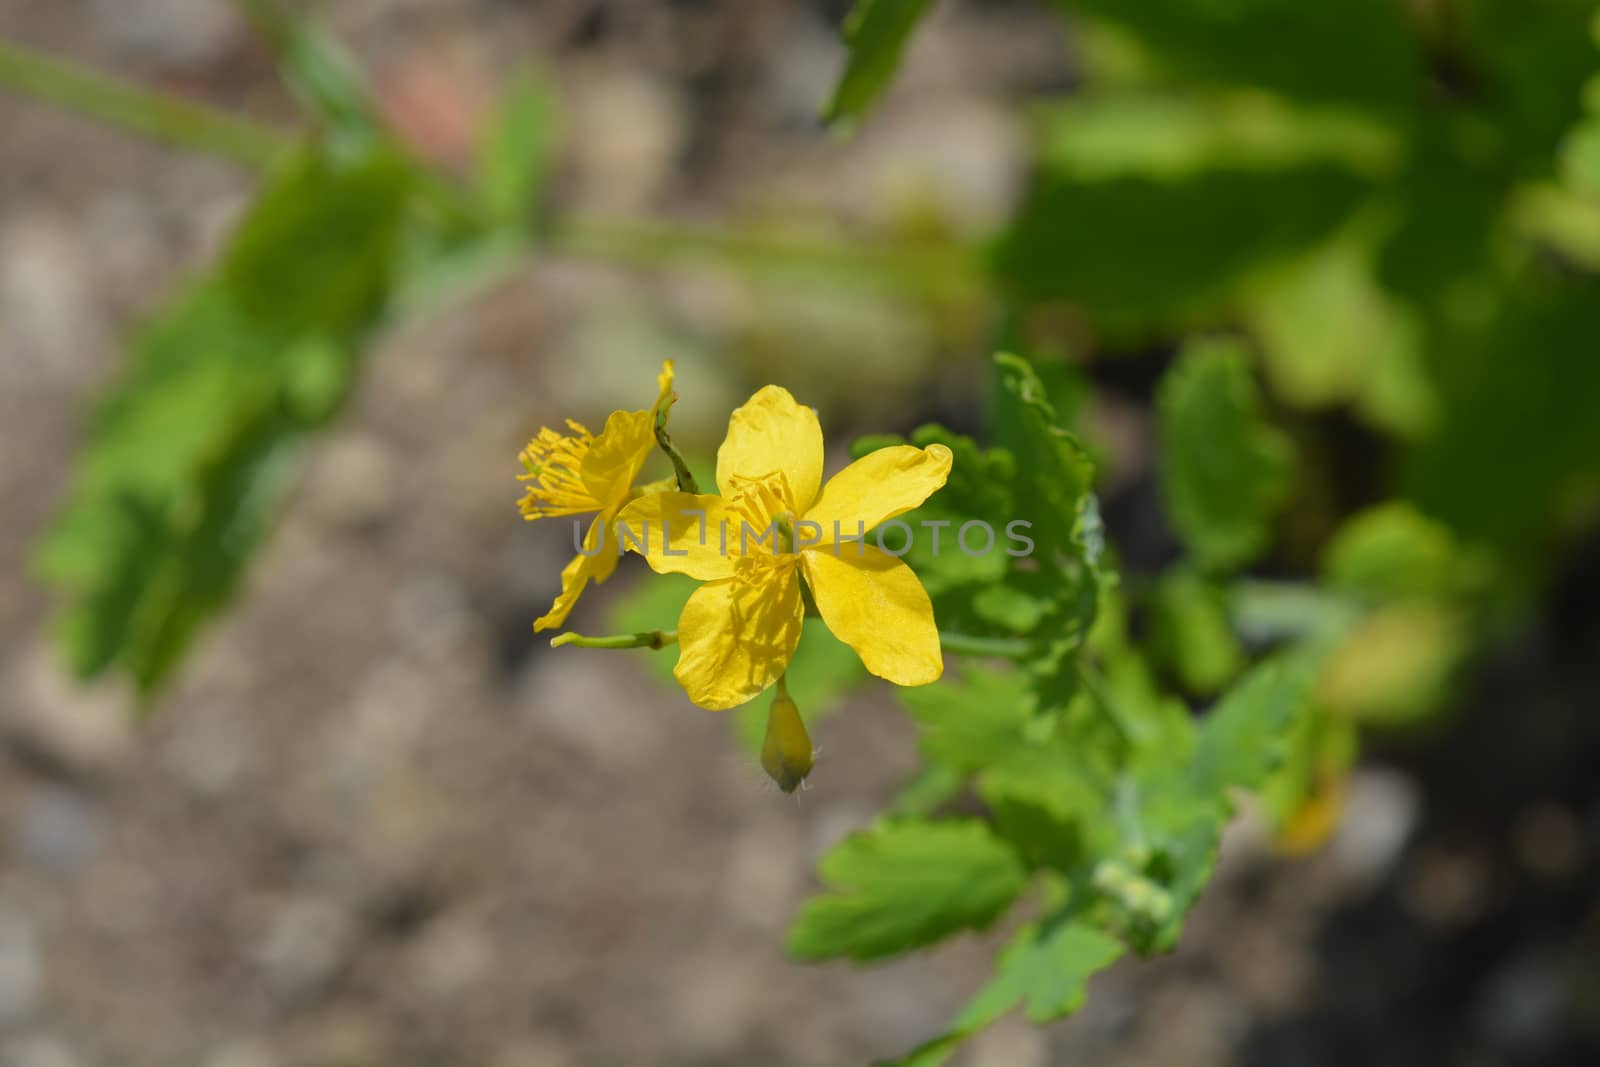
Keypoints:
pixel 373 820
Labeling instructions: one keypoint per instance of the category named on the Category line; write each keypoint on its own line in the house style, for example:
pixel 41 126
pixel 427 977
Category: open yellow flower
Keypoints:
pixel 579 472
pixel 739 630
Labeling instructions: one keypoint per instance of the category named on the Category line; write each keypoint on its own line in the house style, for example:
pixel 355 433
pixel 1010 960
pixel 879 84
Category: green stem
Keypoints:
pixel 1275 610
pixel 945 272
pixel 1110 709
pixel 998 647
pixel 680 466
pixel 150 112
pixel 645 639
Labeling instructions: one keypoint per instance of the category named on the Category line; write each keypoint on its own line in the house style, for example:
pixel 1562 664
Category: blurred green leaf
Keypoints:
pixel 1139 254
pixel 319 71
pixel 1191 632
pixel 1224 469
pixel 317 249
pixel 1393 551
pixel 1102 134
pixel 875 33
pixel 905 885
pixel 1446 205
pixel 1396 666
pixel 516 153
pixel 1517 429
pixel 1357 54
pixel 1531 59
pixel 1330 334
pixel 190 452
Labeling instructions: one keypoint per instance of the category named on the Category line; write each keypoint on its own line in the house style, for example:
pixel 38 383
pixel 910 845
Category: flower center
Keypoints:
pixel 552 462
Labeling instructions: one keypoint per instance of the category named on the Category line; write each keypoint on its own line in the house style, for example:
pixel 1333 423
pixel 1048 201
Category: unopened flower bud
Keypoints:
pixel 786 753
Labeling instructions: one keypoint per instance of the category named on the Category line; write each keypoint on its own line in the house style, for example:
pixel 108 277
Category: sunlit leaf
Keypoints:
pixel 1224 469
pixel 904 885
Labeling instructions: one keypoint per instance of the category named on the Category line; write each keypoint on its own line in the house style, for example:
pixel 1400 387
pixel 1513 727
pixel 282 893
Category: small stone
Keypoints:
pixel 1381 811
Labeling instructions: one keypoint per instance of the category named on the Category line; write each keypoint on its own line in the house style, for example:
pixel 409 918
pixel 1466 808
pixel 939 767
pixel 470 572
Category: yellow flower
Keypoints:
pixel 579 472
pixel 739 630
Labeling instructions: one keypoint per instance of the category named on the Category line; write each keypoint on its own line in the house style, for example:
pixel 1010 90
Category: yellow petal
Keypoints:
pixel 682 533
pixel 875 604
pixel 737 635
pixel 664 394
pixel 596 566
pixel 879 486
pixel 617 454
pixel 772 433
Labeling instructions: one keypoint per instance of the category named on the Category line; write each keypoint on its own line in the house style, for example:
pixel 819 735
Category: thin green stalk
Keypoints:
pixel 944 271
pixel 645 639
pixel 680 466
pixel 1103 699
pixel 947 272
pixel 118 102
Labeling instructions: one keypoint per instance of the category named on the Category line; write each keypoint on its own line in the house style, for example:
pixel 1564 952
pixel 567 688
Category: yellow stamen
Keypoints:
pixel 553 462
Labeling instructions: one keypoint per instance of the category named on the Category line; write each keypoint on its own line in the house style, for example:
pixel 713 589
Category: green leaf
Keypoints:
pixel 1101 134
pixel 1174 805
pixel 318 247
pixel 1398 664
pixel 875 33
pixel 1224 469
pixel 1191 632
pixel 904 885
pixel 1533 57
pixel 1359 54
pixel 319 71
pixel 1045 970
pixel 1245 738
pixel 190 452
pixel 1330 334
pixel 1393 551
pixel 1517 433
pixel 1056 496
pixel 516 152
pixel 1139 255
pixel 984 725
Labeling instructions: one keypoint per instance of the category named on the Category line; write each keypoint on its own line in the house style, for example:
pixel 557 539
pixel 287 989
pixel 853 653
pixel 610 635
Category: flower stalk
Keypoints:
pixel 643 639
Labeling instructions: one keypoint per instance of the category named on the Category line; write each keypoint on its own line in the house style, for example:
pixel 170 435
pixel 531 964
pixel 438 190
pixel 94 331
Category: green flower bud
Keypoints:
pixel 786 753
